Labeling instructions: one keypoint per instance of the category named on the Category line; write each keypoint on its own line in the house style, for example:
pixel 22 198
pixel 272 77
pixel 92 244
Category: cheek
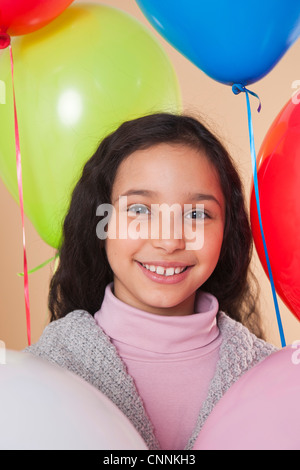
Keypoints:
pixel 121 252
pixel 212 244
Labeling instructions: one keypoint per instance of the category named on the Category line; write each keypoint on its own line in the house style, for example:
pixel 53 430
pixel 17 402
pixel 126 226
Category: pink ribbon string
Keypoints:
pixel 20 187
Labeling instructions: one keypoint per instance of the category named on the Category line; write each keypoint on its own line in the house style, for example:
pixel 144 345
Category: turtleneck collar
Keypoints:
pixel 128 325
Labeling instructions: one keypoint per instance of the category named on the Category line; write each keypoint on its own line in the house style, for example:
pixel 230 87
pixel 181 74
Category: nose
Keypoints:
pixel 169 245
pixel 168 234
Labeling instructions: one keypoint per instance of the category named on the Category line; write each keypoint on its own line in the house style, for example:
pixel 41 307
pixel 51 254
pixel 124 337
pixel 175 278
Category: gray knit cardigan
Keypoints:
pixel 78 344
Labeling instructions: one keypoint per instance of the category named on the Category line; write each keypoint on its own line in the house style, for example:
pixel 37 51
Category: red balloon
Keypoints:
pixel 19 17
pixel 278 166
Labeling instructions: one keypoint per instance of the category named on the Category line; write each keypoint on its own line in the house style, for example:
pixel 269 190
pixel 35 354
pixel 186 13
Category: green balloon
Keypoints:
pixel 76 80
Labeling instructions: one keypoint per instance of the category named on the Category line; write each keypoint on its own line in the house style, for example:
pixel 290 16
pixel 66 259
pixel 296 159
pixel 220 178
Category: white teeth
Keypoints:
pixel 163 271
pixel 170 271
pixel 160 270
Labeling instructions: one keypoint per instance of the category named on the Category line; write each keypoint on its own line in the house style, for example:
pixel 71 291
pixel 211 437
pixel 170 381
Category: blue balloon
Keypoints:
pixel 232 41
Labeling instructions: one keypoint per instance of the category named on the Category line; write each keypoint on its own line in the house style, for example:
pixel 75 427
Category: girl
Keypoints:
pixel 161 325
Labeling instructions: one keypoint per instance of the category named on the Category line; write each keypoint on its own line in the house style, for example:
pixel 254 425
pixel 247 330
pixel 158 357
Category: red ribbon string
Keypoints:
pixel 20 187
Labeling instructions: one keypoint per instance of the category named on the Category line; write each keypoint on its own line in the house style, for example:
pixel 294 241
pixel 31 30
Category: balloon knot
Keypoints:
pixel 237 88
pixel 4 40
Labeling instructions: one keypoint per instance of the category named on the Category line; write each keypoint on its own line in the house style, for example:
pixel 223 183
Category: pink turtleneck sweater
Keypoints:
pixel 171 359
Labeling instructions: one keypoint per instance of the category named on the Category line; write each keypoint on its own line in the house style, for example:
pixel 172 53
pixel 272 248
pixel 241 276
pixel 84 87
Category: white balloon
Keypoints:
pixel 45 407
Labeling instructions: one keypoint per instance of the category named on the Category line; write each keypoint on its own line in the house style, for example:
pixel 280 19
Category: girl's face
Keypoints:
pixel 170 212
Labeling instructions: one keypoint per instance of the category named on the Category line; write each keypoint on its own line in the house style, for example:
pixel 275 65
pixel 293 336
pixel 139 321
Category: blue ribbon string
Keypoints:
pixel 237 88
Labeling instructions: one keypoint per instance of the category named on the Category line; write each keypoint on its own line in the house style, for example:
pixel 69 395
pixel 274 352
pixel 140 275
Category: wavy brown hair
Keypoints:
pixel 84 272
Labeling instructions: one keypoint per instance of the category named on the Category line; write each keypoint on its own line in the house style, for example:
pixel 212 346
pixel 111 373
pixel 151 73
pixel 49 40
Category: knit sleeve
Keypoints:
pixel 63 341
pixel 241 349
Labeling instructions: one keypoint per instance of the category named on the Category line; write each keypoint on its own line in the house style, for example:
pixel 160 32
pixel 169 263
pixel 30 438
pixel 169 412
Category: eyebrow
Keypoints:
pixel 191 196
pixel 202 197
pixel 136 192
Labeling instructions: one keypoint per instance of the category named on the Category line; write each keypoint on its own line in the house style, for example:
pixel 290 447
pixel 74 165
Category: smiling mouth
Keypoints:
pixel 164 271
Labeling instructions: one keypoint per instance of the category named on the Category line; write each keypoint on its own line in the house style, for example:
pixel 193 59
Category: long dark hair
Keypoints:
pixel 84 272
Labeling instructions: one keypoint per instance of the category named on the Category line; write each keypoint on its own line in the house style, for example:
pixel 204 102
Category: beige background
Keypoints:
pixel 200 95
